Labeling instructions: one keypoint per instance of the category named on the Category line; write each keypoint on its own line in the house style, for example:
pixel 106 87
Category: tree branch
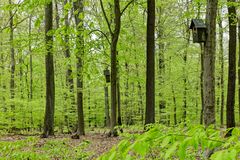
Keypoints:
pixel 14 25
pixel 104 34
pixel 105 16
pixel 126 6
pixel 15 12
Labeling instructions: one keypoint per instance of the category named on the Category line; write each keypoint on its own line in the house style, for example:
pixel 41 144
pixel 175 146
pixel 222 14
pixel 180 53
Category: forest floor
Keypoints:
pixel 58 147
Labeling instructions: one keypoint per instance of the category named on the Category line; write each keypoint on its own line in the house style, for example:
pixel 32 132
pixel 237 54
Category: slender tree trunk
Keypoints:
pixel 57 17
pixel 119 103
pixel 140 96
pixel 221 60
pixel 161 69
pixel 209 64
pixel 201 83
pixel 107 117
pixel 119 118
pixel 232 67
pixel 175 106
pixel 150 75
pixel 21 88
pixel 12 66
pixel 3 86
pixel 187 36
pixel 89 109
pixel 50 83
pixel 239 67
pixel 69 72
pixel 78 8
pixel 126 101
pixel 31 69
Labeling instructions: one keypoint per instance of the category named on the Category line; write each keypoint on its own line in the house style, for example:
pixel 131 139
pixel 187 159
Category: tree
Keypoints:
pixel 239 66
pixel 221 61
pixel 209 64
pixel 114 41
pixel 69 72
pixel 231 65
pixel 150 72
pixel 78 9
pixel 50 84
pixel 12 66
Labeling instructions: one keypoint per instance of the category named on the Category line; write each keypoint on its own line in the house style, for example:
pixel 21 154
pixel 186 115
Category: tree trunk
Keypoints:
pixel 221 59
pixel 69 72
pixel 239 67
pixel 107 117
pixel 56 14
pixel 119 118
pixel 115 36
pixel 150 75
pixel 209 64
pixel 175 106
pixel 12 67
pixel 232 67
pixel 161 69
pixel 126 101
pixel 185 53
pixel 201 83
pixel 3 85
pixel 50 84
pixel 31 69
pixel 78 9
pixel 119 103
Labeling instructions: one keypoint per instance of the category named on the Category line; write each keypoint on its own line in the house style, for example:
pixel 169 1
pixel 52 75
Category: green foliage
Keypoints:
pixel 40 149
pixel 162 142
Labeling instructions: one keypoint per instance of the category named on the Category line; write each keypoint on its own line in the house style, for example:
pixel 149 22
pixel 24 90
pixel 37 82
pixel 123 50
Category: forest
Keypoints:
pixel 119 79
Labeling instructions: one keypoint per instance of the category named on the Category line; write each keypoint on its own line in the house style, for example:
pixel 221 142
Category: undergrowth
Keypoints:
pixel 34 148
pixel 185 143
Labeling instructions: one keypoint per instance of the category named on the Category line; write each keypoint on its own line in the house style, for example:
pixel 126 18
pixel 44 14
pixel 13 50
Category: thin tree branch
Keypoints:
pixel 104 34
pixel 15 12
pixel 105 16
pixel 15 25
pixel 126 6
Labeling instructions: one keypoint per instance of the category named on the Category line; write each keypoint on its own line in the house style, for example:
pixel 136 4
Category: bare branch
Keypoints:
pixel 15 25
pixel 126 6
pixel 15 12
pixel 105 16
pixel 104 34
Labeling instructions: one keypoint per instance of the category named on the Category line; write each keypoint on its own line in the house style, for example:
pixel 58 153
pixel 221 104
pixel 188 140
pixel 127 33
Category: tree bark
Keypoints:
pixel 187 36
pixel 69 72
pixel 175 106
pixel 221 59
pixel 78 9
pixel 107 117
pixel 12 66
pixel 114 41
pixel 161 69
pixel 232 67
pixel 150 72
pixel 31 69
pixel 201 83
pixel 119 103
pixel 209 64
pixel 50 84
pixel 239 67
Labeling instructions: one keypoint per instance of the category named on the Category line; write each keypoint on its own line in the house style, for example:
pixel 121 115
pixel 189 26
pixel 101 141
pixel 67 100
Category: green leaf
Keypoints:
pixel 141 147
pixel 171 150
